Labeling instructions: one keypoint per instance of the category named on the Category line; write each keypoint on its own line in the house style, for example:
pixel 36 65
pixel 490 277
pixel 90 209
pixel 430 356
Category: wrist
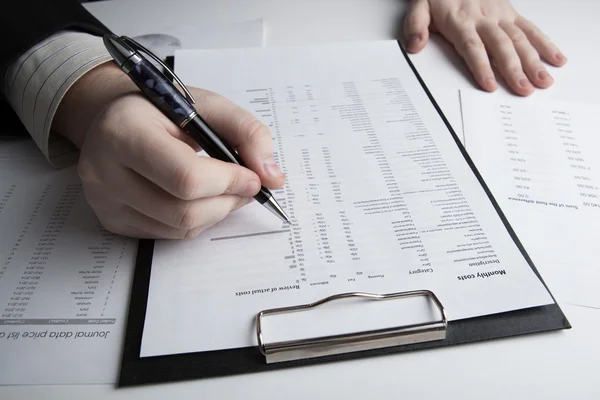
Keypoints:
pixel 87 98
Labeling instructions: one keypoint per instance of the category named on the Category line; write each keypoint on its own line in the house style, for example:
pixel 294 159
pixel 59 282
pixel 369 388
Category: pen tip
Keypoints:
pixel 276 209
pixel 287 219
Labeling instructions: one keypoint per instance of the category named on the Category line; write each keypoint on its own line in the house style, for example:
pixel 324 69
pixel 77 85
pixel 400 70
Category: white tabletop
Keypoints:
pixel 553 365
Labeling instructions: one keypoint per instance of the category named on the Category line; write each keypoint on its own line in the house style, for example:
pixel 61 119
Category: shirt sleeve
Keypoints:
pixel 37 81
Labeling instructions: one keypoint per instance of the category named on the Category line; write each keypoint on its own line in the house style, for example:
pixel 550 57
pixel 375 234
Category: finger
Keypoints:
pixel 416 25
pixel 126 230
pixel 184 137
pixel 136 192
pixel 130 222
pixel 175 167
pixel 541 43
pixel 530 59
pixel 469 46
pixel 501 48
pixel 244 132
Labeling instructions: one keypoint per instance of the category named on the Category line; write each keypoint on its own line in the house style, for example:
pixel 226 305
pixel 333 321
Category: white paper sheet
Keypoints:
pixel 165 40
pixel 381 197
pixel 64 281
pixel 541 160
pixel 39 342
pixel 19 148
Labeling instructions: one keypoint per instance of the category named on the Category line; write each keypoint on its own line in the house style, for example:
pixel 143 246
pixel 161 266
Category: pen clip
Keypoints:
pixel 138 47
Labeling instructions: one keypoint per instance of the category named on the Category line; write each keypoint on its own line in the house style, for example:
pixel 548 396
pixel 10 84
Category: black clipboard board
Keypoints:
pixel 136 370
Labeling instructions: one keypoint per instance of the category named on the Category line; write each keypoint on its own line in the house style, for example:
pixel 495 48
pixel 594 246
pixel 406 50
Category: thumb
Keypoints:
pixel 416 25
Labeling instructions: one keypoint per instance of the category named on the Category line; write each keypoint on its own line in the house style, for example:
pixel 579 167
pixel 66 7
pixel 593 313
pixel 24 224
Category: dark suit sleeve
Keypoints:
pixel 23 23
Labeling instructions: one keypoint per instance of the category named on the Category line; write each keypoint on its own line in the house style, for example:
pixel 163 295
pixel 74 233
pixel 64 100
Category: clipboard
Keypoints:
pixel 271 355
pixel 300 349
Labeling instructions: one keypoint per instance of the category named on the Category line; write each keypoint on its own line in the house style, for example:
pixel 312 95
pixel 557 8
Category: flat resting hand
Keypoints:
pixel 140 172
pixel 482 28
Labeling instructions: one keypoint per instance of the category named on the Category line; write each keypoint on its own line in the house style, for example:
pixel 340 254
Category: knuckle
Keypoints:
pixel 188 217
pixel 471 43
pixel 254 129
pixel 457 18
pixel 192 233
pixel 234 183
pixel 518 38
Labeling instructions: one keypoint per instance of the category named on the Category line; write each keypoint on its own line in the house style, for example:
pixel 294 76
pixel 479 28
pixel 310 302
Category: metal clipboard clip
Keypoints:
pixel 351 342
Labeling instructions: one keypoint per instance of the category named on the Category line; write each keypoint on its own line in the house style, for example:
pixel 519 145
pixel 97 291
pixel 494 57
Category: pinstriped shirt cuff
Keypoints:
pixel 36 83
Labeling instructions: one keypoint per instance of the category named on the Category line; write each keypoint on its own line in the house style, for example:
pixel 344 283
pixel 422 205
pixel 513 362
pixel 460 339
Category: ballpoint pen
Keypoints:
pixel 166 97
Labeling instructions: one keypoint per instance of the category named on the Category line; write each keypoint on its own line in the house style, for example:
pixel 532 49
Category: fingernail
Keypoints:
pixel 560 57
pixel 272 168
pixel 524 83
pixel 251 188
pixel 248 201
pixel 414 39
pixel 543 75
pixel 490 82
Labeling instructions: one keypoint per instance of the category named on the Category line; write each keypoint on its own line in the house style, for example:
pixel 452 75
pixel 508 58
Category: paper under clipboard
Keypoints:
pixel 427 229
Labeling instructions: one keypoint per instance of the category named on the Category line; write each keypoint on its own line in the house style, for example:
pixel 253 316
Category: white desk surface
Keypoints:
pixel 557 365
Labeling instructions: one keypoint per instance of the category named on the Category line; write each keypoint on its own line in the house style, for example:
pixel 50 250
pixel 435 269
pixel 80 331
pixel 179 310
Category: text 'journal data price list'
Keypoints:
pixel 57 267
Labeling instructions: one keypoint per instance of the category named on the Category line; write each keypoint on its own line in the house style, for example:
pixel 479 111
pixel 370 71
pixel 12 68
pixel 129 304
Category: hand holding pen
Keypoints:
pixel 140 171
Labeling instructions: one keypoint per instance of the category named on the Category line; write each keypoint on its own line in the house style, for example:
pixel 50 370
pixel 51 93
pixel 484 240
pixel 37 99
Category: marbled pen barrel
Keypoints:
pixel 161 92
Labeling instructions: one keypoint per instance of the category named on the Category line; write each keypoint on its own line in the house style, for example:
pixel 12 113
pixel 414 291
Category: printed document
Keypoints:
pixel 64 280
pixel 381 198
pixel 541 160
